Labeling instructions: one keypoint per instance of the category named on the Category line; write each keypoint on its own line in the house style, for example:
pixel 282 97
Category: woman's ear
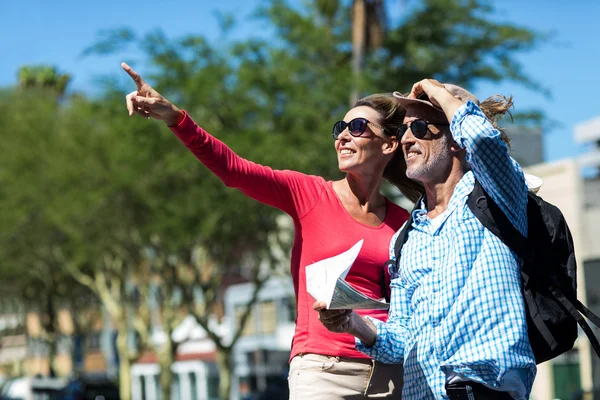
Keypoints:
pixel 390 146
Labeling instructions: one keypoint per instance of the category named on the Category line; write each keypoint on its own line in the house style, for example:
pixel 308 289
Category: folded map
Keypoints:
pixel 325 281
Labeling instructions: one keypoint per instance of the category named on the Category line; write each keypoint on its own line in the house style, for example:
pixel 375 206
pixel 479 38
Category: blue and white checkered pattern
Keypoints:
pixel 456 308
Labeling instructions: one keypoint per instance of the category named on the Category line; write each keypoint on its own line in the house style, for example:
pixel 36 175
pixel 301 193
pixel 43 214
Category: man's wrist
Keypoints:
pixel 449 104
pixel 363 329
pixel 446 99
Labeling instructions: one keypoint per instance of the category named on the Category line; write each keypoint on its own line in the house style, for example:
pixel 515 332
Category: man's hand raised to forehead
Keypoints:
pixel 428 87
pixel 148 103
pixel 438 95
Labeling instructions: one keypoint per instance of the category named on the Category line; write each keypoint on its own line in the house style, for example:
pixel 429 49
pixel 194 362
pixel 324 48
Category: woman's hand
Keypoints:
pixel 334 320
pixel 148 103
pixel 347 321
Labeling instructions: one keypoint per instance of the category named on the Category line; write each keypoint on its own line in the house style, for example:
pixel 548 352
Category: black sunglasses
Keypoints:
pixel 419 128
pixel 356 127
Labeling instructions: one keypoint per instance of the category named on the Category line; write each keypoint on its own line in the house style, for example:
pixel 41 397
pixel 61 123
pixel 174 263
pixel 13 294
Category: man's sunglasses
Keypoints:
pixel 419 128
pixel 356 127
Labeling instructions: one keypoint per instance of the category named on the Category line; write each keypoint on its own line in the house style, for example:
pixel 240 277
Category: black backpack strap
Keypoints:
pixel 538 320
pixel 384 283
pixel 400 240
pixel 493 218
pixel 573 310
pixel 590 315
pixel 403 235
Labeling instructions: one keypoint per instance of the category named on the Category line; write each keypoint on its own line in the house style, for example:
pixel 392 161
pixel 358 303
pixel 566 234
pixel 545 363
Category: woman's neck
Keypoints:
pixel 365 191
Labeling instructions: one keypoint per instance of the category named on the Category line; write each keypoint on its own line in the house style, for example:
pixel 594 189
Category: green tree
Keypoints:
pixel 64 209
pixel 458 41
pixel 44 77
pixel 30 271
pixel 81 202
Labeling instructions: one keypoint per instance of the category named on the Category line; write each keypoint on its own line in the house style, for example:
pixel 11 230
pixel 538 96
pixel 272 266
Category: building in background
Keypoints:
pixel 588 133
pixel 195 374
pixel 261 354
pixel 573 185
pixel 13 343
pixel 526 144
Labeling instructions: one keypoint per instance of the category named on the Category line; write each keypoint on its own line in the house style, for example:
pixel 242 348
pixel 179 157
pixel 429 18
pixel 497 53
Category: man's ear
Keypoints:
pixel 455 148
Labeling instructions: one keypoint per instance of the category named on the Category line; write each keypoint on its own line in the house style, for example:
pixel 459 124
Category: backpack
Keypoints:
pixel 548 273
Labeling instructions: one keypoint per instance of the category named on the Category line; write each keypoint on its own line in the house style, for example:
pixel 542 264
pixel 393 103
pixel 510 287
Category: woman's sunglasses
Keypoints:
pixel 419 128
pixel 356 127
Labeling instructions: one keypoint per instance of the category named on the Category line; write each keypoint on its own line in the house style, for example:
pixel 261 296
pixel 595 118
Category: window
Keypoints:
pixel 213 386
pixel 565 369
pixel 157 387
pixel 268 316
pixel 37 347
pixel 92 341
pixel 288 308
pixel 193 386
pixel 249 328
pixel 262 319
pixel 78 352
pixel 64 344
pixel 143 387
pixel 175 387
pixel 212 381
pixel 566 380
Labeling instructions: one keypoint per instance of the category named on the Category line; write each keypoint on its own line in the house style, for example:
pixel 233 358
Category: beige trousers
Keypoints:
pixel 318 377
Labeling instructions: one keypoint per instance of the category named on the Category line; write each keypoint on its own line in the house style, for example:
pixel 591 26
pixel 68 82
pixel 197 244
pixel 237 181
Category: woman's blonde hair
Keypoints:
pixel 494 108
pixel 392 116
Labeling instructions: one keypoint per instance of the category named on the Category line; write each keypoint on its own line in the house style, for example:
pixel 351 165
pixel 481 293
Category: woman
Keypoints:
pixel 329 217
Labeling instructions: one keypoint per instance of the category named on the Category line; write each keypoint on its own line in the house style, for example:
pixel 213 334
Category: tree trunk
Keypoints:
pixel 124 362
pixel 166 358
pixel 359 21
pixel 224 364
pixel 52 334
pixel 51 338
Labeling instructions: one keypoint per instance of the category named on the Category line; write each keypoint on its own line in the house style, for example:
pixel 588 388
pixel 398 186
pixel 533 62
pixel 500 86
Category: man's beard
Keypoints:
pixel 424 172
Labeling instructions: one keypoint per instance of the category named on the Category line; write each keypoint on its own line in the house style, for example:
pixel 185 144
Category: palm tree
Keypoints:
pixel 43 77
pixel 368 30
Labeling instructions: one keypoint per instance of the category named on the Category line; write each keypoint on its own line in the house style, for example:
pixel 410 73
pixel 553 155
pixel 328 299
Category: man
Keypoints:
pixel 457 317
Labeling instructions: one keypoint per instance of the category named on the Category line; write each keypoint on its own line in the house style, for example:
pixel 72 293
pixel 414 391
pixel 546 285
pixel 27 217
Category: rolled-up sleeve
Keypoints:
pixel 499 174
pixel 391 335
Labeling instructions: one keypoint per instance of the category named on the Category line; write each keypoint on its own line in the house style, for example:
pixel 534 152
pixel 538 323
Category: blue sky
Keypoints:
pixel 56 32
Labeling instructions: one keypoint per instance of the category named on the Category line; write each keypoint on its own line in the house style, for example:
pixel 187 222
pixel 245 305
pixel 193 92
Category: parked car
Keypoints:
pixel 16 389
pixel 94 387
pixel 51 388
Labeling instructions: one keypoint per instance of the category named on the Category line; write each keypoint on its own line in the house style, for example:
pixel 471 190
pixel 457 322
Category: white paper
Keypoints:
pixel 325 282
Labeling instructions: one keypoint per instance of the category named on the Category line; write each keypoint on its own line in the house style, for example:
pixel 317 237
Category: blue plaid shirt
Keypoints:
pixel 457 311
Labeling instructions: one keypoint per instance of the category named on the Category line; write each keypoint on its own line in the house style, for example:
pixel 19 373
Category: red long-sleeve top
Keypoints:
pixel 323 228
